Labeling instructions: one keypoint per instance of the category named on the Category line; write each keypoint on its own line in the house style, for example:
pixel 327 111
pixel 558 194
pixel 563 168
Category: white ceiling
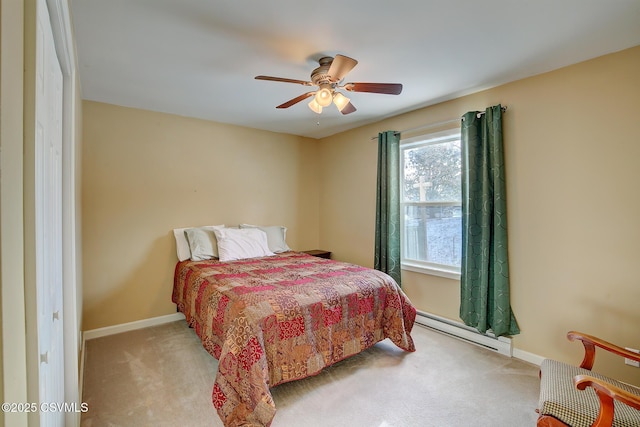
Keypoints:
pixel 198 58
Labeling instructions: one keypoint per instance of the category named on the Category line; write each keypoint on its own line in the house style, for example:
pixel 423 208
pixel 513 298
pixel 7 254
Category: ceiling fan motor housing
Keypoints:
pixel 320 75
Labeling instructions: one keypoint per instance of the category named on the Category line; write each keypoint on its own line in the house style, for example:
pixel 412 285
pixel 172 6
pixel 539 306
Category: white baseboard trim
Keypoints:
pixel 502 345
pixel 461 331
pixel 528 357
pixel 458 330
pixel 131 326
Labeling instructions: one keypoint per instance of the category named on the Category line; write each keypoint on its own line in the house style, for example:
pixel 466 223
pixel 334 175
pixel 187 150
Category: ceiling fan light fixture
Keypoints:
pixel 340 100
pixel 315 107
pixel 324 96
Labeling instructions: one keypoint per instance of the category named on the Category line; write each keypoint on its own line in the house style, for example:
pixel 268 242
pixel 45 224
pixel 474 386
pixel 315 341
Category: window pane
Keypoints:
pixel 433 234
pixel 432 172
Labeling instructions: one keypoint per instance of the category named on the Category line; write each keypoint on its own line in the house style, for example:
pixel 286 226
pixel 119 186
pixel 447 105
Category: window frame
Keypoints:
pixel 418 266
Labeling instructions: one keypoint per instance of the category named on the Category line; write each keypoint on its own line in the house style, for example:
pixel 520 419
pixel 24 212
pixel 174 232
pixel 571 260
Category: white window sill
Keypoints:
pixel 433 271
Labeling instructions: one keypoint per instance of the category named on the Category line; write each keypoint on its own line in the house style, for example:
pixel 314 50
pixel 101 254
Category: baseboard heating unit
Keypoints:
pixel 461 331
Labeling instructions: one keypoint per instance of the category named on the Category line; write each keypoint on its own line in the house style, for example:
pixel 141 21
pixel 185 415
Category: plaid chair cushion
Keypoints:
pixel 561 399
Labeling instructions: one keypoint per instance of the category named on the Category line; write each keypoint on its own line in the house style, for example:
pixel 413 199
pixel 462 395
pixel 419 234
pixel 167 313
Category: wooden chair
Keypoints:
pixel 576 397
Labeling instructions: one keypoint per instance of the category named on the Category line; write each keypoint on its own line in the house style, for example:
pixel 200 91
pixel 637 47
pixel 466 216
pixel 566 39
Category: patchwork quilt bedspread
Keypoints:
pixel 281 318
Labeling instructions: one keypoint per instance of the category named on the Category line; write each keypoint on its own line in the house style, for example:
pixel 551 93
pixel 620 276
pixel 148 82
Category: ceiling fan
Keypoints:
pixel 327 77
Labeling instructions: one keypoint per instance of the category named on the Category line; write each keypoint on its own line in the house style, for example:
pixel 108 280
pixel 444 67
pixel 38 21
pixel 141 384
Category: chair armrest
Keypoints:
pixel 606 393
pixel 590 343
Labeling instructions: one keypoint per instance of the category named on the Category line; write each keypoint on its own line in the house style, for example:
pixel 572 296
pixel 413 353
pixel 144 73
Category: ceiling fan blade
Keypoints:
pixel 349 108
pixel 340 66
pixel 295 100
pixel 386 88
pixel 281 79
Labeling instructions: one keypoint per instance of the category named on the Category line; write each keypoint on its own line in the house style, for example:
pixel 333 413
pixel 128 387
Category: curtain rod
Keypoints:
pixel 433 125
pixel 482 113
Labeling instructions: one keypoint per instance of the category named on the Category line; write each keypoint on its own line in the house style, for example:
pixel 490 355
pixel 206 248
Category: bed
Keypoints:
pixel 274 319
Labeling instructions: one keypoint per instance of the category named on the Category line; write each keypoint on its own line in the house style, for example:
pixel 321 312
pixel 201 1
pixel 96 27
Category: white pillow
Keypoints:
pixel 241 243
pixel 182 245
pixel 276 236
pixel 202 243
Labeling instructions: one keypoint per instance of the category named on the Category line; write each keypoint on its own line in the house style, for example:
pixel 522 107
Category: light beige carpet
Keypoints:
pixel 161 376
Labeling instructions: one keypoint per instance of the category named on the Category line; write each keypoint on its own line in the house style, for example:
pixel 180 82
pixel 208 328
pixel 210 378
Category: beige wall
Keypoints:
pixel 14 367
pixel 572 150
pixel 145 173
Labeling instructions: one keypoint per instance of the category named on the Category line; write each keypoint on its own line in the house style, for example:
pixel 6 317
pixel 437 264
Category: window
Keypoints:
pixel 430 204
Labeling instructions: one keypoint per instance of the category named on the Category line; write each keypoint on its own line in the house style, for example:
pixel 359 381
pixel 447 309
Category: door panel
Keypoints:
pixel 49 219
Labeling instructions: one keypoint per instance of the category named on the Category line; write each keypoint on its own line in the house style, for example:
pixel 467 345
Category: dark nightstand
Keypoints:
pixel 319 253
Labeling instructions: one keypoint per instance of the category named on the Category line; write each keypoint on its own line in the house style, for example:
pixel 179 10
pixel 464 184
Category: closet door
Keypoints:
pixel 48 211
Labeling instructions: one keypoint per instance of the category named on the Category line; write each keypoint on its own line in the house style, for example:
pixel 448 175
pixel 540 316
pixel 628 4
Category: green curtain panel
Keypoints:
pixel 484 281
pixel 387 250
